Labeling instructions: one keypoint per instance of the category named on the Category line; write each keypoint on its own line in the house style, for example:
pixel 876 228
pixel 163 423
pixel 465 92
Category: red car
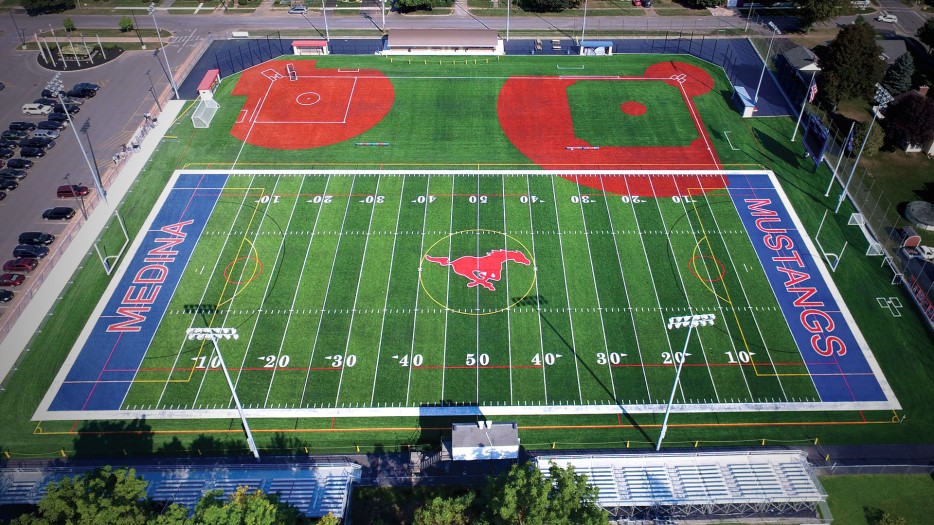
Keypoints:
pixel 71 191
pixel 11 279
pixel 21 265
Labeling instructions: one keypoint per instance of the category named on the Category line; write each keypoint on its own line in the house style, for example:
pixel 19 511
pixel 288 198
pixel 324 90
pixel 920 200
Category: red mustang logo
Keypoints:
pixel 481 270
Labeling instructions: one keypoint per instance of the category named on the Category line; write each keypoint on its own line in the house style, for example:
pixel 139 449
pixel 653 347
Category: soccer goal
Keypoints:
pixel 204 113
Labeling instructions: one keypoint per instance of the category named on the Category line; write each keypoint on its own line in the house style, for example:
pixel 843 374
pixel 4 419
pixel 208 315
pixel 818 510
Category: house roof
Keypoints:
pixel 801 58
pixel 443 38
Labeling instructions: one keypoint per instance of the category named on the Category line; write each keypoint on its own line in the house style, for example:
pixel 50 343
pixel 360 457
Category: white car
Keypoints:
pixel 298 10
pixel 885 17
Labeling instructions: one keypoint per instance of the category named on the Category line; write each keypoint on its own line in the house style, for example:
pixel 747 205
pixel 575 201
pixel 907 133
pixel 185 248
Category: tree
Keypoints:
pixel 852 65
pixel 69 24
pixel 330 519
pixel 102 496
pixel 126 24
pixel 548 6
pixel 443 511
pixel 38 7
pixel 875 142
pixel 814 11
pixel 926 33
pixel 524 495
pixel 898 77
pixel 909 120
pixel 243 507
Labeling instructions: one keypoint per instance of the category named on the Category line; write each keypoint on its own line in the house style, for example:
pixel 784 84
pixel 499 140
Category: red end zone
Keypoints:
pixel 321 107
pixel 535 114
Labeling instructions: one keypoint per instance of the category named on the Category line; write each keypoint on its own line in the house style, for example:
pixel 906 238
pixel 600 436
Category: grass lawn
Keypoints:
pixel 861 500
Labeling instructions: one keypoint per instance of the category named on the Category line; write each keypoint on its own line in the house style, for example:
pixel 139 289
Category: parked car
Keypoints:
pixel 46 101
pixel 72 108
pixel 22 126
pixel 30 251
pixel 36 238
pixel 70 100
pixel 58 213
pixel 56 117
pixel 885 17
pixel 2 195
pixel 10 134
pixel 46 134
pixel 20 265
pixel 81 93
pixel 69 191
pixel 37 142
pixel 11 279
pixel 12 173
pixel 36 109
pixel 9 144
pixel 298 10
pixel 51 124
pixel 646 3
pixel 5 153
pixel 6 296
pixel 47 93
pixel 33 153
pixel 8 185
pixel 87 85
pixel 20 164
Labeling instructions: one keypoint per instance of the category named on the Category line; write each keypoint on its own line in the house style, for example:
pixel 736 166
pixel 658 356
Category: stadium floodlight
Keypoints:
pixel 883 97
pixel 213 334
pixel 152 13
pixel 689 321
pixel 765 63
pixel 55 86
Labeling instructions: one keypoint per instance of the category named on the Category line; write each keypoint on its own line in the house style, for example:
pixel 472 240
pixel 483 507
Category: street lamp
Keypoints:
pixel 583 25
pixel 680 322
pixel 327 35
pixel 55 86
pixel 213 334
pixel 152 12
pixel 20 34
pixel 152 89
pixel 84 129
pixel 765 64
pixel 883 97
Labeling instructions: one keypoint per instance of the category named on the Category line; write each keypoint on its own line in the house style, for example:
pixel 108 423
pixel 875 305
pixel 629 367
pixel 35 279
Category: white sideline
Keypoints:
pixel 50 290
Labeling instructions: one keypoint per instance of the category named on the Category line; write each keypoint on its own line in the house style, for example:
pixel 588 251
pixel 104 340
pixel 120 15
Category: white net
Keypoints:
pixel 204 113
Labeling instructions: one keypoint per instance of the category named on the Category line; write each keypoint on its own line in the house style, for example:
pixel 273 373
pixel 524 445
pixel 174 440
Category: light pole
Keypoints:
pixel 152 89
pixel 84 129
pixel 765 64
pixel 324 10
pixel 680 322
pixel 508 5
pixel 583 27
pixel 84 212
pixel 55 86
pixel 152 12
pixel 883 97
pixel 213 334
pixel 136 27
pixel 20 34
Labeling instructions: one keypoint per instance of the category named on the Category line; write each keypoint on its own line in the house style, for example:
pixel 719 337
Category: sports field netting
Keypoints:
pixel 396 293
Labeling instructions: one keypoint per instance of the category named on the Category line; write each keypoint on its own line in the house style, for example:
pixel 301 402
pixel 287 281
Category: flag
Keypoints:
pixel 812 92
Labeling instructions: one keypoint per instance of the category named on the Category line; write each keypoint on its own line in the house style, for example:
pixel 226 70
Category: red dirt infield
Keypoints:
pixel 635 109
pixel 320 108
pixel 541 127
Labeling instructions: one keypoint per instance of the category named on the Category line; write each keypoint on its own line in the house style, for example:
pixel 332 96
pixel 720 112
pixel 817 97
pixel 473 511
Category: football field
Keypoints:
pixel 365 293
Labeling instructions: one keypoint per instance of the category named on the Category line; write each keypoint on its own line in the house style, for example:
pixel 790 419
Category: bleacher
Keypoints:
pixel 700 484
pixel 315 489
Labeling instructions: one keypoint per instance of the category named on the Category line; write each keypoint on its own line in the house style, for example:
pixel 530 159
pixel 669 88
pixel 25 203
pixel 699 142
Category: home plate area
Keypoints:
pixel 293 105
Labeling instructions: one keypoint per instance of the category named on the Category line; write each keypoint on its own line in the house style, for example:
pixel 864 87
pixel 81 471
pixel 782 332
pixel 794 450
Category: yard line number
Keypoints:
pixel 338 361
pixel 266 199
pixel 610 358
pixel 739 357
pixel 548 359
pixel 271 361
pixel 675 358
pixel 415 360
pixel 475 359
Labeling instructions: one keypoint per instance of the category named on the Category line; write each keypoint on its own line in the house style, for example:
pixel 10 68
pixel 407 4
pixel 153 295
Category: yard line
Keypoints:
pixel 538 306
pixel 648 265
pixel 301 274
pixel 622 275
pixel 508 313
pixel 327 290
pixel 477 288
pixel 194 316
pixel 259 311
pixel 567 293
pixel 447 291
pixel 674 258
pixel 596 289
pixel 382 325
pixel 752 311
pixel 356 295
pixel 418 293
pixel 350 100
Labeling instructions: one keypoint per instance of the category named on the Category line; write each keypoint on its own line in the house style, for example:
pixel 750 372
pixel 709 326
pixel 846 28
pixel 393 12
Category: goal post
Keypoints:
pixel 204 112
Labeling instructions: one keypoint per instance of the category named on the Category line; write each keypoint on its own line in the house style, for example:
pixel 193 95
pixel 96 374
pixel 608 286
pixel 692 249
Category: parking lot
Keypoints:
pixel 110 120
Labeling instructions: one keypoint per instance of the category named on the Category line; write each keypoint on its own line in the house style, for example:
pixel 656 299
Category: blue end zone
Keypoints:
pixel 834 359
pixel 107 363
